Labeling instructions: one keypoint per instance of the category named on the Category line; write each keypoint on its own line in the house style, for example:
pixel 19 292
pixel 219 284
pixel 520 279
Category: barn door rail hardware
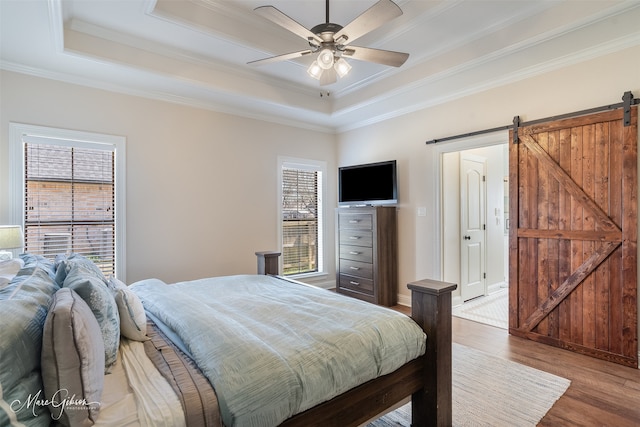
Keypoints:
pixel 627 102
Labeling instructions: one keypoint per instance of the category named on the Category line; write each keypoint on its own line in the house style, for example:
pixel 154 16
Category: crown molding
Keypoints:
pixel 515 76
pixel 246 110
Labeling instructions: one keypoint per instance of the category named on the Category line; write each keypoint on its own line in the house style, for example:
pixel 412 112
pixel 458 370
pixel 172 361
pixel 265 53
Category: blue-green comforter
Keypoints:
pixel 272 348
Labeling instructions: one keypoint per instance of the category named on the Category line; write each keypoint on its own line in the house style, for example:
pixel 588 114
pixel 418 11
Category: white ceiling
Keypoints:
pixel 195 52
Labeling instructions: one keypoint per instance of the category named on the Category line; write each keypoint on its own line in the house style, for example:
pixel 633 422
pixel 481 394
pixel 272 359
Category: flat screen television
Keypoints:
pixel 368 184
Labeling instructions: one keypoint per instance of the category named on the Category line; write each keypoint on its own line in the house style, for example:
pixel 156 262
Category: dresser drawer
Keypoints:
pixel 356 253
pixel 356 268
pixel 356 284
pixel 356 220
pixel 366 253
pixel 356 237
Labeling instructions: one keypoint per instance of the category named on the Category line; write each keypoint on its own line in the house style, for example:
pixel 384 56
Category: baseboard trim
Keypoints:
pixel 404 300
pixel 495 287
pixel 456 301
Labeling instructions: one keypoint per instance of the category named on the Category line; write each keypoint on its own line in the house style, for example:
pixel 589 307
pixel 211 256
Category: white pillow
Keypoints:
pixel 8 270
pixel 133 319
pixel 72 360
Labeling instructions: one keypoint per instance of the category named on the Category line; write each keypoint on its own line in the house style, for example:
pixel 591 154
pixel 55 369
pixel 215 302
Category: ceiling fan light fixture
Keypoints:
pixel 315 70
pixel 325 58
pixel 333 41
pixel 342 67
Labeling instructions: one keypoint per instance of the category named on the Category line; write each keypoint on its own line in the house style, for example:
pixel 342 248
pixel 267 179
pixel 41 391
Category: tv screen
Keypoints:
pixel 368 184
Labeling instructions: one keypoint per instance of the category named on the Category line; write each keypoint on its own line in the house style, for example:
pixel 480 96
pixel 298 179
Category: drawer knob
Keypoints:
pixel 354 237
pixel 355 268
pixel 355 253
pixel 354 221
pixel 354 283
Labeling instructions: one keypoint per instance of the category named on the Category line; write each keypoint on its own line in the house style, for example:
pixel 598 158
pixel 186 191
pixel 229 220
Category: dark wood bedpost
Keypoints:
pixel 431 309
pixel 268 262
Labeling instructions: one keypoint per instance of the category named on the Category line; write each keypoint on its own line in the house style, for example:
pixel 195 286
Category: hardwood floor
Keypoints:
pixel 601 393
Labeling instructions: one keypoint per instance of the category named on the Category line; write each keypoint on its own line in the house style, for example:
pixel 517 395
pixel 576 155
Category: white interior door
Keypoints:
pixel 472 226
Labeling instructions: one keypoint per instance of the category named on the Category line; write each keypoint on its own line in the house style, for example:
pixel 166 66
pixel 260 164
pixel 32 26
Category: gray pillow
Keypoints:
pixel 101 302
pixel 64 265
pixel 72 360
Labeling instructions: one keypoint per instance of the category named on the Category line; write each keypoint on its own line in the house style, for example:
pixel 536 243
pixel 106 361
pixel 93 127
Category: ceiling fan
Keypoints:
pixel 332 41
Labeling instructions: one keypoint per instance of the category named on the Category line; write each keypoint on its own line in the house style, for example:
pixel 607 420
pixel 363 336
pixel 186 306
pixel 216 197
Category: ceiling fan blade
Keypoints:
pixel 328 76
pixel 379 56
pixel 276 16
pixel 283 57
pixel 378 14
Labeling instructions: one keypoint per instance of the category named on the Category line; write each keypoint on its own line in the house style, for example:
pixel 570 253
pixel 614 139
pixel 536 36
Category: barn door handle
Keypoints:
pixel 467 237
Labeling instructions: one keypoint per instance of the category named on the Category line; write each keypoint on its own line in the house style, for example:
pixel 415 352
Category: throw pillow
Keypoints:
pixel 72 360
pixel 133 319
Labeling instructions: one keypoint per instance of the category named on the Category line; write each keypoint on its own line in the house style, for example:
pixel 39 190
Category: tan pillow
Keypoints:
pixel 72 360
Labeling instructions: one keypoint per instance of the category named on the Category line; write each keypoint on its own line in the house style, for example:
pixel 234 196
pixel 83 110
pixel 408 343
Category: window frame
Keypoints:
pixel 316 166
pixel 19 132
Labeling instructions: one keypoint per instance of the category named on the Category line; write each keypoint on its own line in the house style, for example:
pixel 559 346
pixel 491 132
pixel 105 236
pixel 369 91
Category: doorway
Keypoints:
pixel 478 263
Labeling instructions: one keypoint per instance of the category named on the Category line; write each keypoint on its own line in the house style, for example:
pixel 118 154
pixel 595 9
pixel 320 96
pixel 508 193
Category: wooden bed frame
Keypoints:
pixel 426 379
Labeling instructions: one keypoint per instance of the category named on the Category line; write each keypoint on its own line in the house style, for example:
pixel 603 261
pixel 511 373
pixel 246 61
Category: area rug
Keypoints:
pixel 490 391
pixel 491 310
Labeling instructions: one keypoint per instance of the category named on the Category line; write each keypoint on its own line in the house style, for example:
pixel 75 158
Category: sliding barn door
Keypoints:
pixel 572 243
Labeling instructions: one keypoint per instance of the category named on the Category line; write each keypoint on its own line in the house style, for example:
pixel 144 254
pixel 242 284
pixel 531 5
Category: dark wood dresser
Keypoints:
pixel 366 253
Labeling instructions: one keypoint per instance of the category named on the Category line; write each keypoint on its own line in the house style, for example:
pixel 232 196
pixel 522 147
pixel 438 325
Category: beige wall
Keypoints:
pixel 181 162
pixel 589 84
pixel 201 186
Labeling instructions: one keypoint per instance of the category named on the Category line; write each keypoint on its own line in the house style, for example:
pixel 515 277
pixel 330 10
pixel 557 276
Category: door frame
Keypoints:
pixel 439 150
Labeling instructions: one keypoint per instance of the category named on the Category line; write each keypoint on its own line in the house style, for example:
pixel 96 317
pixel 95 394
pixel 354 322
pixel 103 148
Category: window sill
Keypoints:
pixel 315 275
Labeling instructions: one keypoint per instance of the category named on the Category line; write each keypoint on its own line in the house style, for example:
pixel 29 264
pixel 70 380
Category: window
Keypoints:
pixel 301 216
pixel 67 192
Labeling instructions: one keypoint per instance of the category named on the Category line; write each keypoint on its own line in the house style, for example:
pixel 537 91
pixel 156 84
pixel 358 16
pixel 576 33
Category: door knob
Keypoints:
pixel 467 237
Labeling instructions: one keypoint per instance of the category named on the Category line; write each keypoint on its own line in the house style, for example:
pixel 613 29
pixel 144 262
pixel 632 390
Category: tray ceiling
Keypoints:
pixel 195 52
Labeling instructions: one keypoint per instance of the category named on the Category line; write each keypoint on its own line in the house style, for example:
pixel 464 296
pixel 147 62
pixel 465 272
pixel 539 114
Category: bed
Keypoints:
pixel 162 362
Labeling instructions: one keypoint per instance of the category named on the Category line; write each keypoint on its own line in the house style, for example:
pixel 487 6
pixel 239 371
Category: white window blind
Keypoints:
pixel 301 220
pixel 69 200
